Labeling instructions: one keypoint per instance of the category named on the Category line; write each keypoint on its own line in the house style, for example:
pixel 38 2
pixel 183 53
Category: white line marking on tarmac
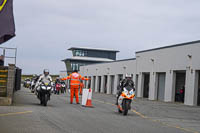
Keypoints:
pixel 16 113
pixel 153 120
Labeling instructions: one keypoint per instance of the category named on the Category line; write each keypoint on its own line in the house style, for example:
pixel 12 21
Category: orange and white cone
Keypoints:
pixel 89 99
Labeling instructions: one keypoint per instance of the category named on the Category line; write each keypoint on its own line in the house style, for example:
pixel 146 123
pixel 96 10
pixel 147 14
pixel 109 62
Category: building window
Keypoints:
pixel 75 66
pixel 80 53
pixel 85 53
pixel 81 64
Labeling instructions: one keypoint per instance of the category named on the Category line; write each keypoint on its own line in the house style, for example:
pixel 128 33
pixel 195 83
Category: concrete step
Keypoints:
pixel 5 101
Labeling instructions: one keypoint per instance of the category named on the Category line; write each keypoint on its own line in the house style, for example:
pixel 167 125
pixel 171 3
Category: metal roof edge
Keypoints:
pixel 97 49
pixel 84 60
pixel 170 46
pixel 112 61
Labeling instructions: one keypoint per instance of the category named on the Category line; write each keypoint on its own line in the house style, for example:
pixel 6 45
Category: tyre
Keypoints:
pixel 32 90
pixel 41 101
pixel 45 100
pixel 62 90
pixel 125 107
pixel 119 111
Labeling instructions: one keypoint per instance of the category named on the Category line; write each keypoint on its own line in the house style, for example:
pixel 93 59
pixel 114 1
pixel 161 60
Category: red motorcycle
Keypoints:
pixel 58 88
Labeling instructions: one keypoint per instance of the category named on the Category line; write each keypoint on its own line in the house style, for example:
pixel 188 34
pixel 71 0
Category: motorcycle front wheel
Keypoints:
pixel 41 102
pixel 119 111
pixel 45 100
pixel 125 107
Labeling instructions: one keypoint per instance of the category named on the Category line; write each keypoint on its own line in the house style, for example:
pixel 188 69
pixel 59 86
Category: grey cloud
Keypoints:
pixel 46 28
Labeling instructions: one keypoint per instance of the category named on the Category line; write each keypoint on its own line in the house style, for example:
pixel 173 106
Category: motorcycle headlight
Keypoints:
pixel 125 90
pixel 48 88
pixel 131 92
pixel 43 87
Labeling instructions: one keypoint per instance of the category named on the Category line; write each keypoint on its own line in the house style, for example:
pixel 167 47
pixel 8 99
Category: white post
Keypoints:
pixel 124 76
pixel 102 84
pixel 116 79
pixel 140 85
pixel 97 84
pixel 134 78
pixel 170 86
pixel 153 88
pixel 92 83
pixel 109 84
pixel 191 87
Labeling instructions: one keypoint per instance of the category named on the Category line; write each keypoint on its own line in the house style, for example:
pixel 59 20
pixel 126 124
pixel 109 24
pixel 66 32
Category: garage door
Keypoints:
pixel 180 84
pixel 161 86
pixel 146 85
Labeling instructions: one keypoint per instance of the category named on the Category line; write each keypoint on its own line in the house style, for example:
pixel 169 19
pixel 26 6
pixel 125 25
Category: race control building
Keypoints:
pixel 85 56
pixel 158 73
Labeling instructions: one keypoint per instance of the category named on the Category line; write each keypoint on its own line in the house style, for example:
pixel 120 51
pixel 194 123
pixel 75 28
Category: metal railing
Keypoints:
pixel 5 49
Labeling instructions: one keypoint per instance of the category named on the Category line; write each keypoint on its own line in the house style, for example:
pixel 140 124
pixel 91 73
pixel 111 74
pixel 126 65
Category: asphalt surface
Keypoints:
pixel 28 116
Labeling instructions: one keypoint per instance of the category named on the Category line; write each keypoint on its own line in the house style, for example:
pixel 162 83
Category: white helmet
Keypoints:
pixel 46 72
pixel 128 76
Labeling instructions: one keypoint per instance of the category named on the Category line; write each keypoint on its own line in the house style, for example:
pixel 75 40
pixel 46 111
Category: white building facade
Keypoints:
pixel 170 74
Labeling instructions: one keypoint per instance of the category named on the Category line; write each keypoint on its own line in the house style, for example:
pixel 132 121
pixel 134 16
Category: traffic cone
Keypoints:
pixel 89 99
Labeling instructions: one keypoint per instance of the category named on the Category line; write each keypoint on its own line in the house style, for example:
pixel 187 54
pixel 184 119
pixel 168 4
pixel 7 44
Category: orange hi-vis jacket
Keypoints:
pixel 75 79
pixel 82 85
pixel 81 88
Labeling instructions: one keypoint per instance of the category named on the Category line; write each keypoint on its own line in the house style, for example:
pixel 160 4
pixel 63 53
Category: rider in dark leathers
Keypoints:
pixel 124 83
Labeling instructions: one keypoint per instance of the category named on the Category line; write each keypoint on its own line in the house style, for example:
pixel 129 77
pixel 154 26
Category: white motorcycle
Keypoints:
pixel 63 87
pixel 33 83
pixel 125 99
pixel 44 92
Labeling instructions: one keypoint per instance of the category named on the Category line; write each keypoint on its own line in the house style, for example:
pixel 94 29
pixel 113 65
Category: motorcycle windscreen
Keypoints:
pixel 46 81
pixel 129 88
pixel 7 25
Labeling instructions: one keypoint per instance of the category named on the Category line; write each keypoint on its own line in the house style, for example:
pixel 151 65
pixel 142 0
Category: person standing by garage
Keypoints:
pixel 75 83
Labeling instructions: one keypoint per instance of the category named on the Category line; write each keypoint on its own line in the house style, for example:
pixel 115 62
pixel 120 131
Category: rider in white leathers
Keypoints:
pixel 44 77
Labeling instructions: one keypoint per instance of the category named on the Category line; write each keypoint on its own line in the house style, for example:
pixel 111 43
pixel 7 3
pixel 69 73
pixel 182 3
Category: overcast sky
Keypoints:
pixel 45 29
